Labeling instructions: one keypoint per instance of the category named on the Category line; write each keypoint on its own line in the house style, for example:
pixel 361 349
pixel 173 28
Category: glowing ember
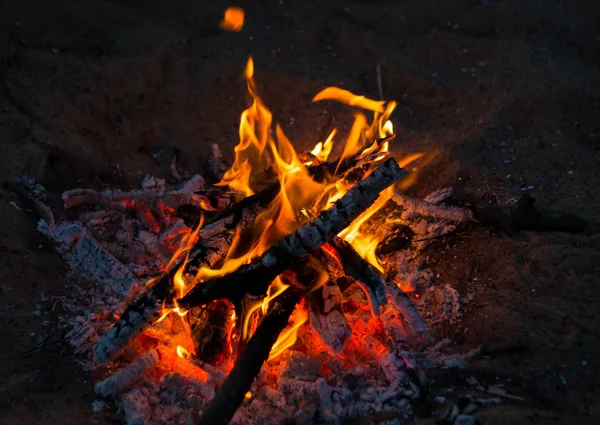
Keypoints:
pixel 233 19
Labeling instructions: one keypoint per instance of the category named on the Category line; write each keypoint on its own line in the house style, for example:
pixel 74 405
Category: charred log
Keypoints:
pixel 526 217
pixel 413 206
pixel 255 277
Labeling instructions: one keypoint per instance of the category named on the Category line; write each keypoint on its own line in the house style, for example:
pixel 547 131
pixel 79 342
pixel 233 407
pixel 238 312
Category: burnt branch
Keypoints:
pixel 413 206
pixel 362 271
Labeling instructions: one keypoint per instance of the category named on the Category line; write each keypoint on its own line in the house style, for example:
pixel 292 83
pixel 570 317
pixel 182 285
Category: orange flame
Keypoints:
pixel 264 154
pixel 323 149
pixel 288 337
pixel 233 19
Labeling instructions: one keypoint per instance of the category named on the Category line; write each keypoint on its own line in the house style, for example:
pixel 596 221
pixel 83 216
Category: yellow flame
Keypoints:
pixel 323 149
pixel 275 289
pixel 264 154
pixel 344 96
pixel 288 337
pixel 364 244
pixel 183 353
pixel 233 19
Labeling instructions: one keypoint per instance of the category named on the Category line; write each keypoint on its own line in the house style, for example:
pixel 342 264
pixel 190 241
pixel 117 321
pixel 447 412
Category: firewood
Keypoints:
pixel 121 380
pixel 22 189
pixel 255 277
pixel 214 240
pixel 362 271
pixel 190 194
pixel 230 394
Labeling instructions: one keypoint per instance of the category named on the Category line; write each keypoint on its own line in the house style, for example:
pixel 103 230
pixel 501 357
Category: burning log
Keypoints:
pixel 362 271
pixel 116 383
pixel 231 393
pixel 254 278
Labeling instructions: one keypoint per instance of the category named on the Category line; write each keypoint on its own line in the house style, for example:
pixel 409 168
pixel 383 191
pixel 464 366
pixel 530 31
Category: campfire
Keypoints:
pixel 282 294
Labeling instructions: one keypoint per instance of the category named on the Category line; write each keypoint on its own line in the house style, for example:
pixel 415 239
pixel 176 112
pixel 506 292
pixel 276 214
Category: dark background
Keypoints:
pixel 505 93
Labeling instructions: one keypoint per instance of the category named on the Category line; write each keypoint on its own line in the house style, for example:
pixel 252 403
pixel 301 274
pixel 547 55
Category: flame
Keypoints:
pixel 183 353
pixel 265 155
pixel 344 96
pixel 323 149
pixel 288 337
pixel 260 154
pixel 233 19
pixel 275 289
pixel 365 244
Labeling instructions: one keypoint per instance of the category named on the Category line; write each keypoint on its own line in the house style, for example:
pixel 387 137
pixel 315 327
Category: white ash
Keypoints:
pixel 135 408
pixel 441 305
pixel 124 378
pixel 438 356
pixel 82 252
pixel 408 271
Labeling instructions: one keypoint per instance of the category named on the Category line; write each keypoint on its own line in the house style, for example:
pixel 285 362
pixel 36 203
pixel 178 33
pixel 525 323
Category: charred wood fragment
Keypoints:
pixel 211 328
pixel 326 316
pixel 413 206
pixel 254 278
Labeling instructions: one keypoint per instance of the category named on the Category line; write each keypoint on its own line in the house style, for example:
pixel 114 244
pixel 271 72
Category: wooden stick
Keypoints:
pixel 424 208
pixel 254 278
pixel 357 267
pixel 230 394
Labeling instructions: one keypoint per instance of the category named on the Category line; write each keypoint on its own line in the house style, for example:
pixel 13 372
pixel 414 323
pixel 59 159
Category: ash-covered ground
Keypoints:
pixel 505 93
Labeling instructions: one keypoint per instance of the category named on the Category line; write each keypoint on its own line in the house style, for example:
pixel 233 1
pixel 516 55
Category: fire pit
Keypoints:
pixel 282 294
